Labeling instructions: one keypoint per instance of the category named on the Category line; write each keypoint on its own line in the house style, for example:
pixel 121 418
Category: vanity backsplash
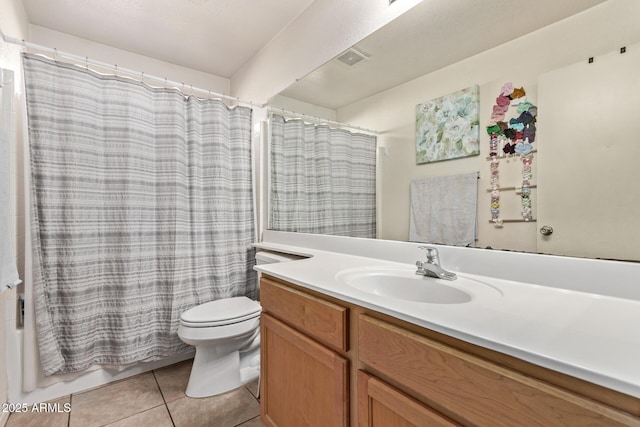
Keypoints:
pixel 602 277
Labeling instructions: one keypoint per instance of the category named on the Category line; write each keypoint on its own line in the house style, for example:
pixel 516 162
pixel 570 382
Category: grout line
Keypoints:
pixel 153 372
pixel 71 409
pixel 131 416
pixel 244 422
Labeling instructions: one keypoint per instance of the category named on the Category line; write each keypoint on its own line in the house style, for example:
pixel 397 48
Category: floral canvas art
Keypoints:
pixel 448 127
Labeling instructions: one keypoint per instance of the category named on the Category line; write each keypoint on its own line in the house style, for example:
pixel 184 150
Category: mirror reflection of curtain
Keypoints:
pixel 142 209
pixel 323 180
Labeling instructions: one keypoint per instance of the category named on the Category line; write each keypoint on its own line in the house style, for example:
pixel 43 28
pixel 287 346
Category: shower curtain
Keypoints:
pixel 142 208
pixel 323 180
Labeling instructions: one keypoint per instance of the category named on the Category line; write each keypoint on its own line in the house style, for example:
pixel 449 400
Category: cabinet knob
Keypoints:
pixel 546 230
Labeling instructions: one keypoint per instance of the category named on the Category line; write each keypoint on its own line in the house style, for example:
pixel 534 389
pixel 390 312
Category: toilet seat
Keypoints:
pixel 221 312
pixel 213 324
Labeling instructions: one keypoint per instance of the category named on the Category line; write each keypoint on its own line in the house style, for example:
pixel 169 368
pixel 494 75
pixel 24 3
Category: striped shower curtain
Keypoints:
pixel 142 208
pixel 323 180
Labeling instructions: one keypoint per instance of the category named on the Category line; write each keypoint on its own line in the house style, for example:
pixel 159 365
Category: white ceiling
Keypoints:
pixel 220 36
pixel 432 35
pixel 213 36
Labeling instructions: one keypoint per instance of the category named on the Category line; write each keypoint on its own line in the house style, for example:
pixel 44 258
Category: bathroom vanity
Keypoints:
pixel 332 356
pixel 327 362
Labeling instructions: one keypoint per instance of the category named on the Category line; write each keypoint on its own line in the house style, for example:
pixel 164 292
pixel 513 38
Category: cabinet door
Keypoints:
pixel 303 383
pixel 380 405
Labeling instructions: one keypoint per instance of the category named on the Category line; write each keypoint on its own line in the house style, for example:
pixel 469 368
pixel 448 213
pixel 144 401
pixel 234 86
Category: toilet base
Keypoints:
pixel 212 374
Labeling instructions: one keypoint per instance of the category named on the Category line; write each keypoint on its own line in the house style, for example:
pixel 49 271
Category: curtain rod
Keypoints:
pixel 86 60
pixel 321 120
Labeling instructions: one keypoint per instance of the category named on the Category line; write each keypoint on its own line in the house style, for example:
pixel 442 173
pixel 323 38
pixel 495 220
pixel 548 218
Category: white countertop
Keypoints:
pixel 589 336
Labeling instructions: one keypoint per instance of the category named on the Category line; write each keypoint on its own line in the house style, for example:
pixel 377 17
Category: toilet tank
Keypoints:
pixel 268 257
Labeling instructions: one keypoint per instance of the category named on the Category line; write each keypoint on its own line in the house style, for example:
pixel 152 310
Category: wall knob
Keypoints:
pixel 546 230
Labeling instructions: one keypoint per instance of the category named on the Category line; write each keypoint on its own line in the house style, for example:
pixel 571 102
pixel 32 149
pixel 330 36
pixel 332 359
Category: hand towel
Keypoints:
pixel 444 209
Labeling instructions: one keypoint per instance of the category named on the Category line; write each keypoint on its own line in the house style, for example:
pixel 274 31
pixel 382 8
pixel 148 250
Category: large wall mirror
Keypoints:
pixel 578 62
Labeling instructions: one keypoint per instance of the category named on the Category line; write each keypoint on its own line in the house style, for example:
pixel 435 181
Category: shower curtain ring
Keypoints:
pixel 86 62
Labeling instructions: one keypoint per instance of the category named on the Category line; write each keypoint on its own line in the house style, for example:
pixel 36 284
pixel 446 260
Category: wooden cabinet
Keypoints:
pixel 303 382
pixel 323 321
pixel 380 405
pixel 473 390
pixel 326 362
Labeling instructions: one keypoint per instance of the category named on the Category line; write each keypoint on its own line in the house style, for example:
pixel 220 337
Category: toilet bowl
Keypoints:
pixel 226 335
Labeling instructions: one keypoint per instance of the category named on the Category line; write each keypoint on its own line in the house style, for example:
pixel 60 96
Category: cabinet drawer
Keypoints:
pixel 477 391
pixel 380 405
pixel 322 320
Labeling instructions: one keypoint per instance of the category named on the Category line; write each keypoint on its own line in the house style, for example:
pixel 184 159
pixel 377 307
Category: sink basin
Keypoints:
pixel 404 284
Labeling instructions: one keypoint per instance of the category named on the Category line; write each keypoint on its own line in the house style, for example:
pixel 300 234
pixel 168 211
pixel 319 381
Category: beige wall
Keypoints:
pixel 124 59
pixel 594 32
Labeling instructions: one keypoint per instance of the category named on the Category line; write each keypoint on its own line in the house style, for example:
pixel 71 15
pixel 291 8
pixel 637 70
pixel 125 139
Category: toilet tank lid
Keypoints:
pixel 222 309
pixel 268 257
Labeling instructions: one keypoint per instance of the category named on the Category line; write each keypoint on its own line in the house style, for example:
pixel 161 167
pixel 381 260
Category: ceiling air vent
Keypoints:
pixel 351 57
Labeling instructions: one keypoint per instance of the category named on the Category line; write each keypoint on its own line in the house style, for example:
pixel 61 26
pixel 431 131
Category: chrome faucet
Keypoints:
pixel 431 267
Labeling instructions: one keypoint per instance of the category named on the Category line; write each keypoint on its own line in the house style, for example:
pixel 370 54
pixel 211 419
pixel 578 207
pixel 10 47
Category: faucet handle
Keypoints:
pixel 431 254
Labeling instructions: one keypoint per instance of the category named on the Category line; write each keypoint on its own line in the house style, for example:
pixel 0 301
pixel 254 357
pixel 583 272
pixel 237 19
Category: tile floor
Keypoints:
pixel 151 399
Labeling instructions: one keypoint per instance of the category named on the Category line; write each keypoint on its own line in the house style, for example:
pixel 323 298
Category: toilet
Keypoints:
pixel 226 335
